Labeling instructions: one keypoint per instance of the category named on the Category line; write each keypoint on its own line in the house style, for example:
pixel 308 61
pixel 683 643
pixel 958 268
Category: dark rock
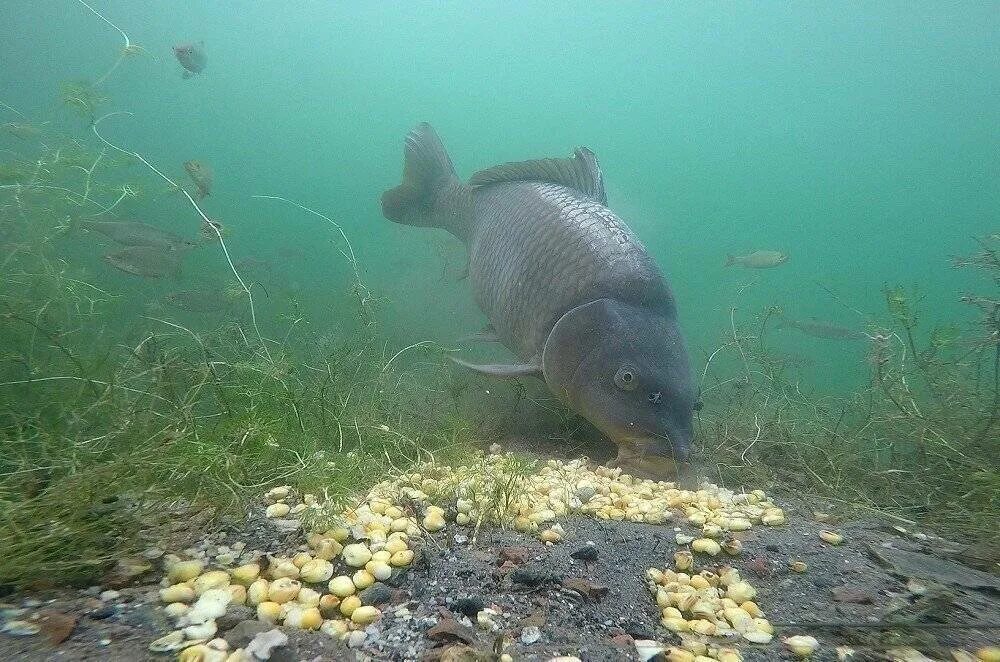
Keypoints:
pixel 235 614
pixel 376 594
pixel 533 575
pixel 586 553
pixel 398 578
pixel 102 613
pixel 243 633
pixel 469 605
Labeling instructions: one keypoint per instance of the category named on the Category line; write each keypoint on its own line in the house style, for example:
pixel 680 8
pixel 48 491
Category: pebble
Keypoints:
pixel 530 635
pixel 153 553
pixel 586 553
pixel 32 603
pixel 20 628
pixel 101 613
pixel 107 596
pixel 357 639
pixel 469 605
pixel 376 594
pixel 235 614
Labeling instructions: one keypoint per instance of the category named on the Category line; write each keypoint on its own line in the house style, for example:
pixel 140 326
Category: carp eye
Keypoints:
pixel 625 379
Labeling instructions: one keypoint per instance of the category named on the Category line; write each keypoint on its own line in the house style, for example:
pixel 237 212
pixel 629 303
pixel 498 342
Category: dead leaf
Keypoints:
pixel 585 587
pixel 515 555
pixel 448 629
pixel 56 625
pixel 851 594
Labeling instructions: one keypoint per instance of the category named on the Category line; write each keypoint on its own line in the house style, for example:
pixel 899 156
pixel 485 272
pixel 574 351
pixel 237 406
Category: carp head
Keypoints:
pixel 625 368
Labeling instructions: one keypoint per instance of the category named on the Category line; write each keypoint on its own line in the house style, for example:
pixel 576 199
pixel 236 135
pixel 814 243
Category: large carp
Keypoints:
pixel 567 287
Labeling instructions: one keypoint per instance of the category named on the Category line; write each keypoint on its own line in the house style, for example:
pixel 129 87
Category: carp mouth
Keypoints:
pixel 642 457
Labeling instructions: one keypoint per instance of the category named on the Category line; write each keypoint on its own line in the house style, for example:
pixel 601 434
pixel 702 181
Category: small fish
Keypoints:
pixel 191 56
pixel 22 130
pixel 135 233
pixel 253 263
pixel 821 329
pixel 758 259
pixel 201 175
pixel 211 229
pixel 291 252
pixel 146 261
pixel 199 301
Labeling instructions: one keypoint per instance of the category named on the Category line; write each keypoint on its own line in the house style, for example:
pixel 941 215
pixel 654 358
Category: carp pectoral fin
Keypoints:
pixel 503 371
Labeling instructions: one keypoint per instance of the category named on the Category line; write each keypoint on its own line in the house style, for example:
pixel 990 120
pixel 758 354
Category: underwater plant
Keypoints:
pixel 916 445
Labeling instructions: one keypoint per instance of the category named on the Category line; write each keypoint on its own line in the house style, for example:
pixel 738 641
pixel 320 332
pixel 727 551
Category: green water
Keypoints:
pixel 860 138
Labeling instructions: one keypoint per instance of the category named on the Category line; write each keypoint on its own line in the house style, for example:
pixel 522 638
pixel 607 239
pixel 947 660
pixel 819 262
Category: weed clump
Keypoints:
pixel 916 444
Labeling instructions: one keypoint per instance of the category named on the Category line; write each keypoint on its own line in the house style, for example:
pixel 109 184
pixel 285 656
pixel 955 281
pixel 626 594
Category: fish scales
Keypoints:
pixel 536 250
pixel 568 288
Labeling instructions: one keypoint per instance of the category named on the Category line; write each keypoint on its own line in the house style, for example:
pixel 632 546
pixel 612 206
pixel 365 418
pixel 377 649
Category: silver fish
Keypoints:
pixel 199 301
pixel 758 259
pixel 146 261
pixel 821 329
pixel 567 287
pixel 136 233
pixel 201 175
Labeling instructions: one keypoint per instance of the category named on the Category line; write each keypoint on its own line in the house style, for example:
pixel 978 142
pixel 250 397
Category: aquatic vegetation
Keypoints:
pixel 83 98
pixel 916 444
pixel 118 419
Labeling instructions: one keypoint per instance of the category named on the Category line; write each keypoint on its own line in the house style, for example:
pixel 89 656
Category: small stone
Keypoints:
pixel 20 628
pixel 235 614
pixel 469 605
pixel 586 553
pixel 532 576
pixel 153 553
pixel 530 635
pixel 376 594
pixel 108 596
pixel 101 613
pixel 31 603
pixel 356 639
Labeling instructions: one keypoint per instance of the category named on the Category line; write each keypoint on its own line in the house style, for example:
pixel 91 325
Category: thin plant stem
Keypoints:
pixel 208 223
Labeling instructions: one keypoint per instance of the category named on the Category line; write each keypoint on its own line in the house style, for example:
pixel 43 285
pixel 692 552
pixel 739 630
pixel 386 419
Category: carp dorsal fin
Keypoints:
pixel 581 173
